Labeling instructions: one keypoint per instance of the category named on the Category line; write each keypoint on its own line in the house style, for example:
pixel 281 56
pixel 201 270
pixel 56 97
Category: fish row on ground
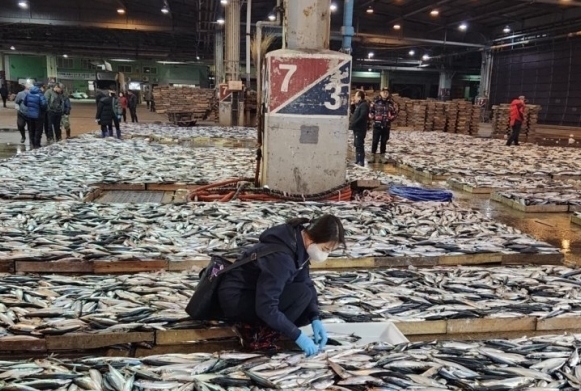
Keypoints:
pixel 547 363
pixel 84 231
pixel 67 170
pixel 513 183
pixel 182 133
pixel 548 197
pixel 36 306
pixel 430 152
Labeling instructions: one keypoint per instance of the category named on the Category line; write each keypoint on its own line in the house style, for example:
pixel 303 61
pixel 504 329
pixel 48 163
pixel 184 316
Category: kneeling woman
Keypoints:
pixel 275 294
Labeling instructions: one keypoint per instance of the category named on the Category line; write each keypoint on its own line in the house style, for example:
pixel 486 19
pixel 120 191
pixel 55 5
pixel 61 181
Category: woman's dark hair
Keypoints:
pixel 327 228
pixel 360 94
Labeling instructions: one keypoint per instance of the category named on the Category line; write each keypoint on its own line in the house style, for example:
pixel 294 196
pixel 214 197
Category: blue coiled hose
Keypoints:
pixel 421 194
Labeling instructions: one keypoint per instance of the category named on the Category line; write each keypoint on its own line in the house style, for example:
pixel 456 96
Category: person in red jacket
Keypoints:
pixel 517 116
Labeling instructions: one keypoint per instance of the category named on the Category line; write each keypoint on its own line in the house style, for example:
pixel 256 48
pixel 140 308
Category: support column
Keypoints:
pixel 485 74
pixel 233 40
pixel 308 23
pixel 445 85
pixel 51 67
pixel 219 57
pixel 384 82
pixel 3 76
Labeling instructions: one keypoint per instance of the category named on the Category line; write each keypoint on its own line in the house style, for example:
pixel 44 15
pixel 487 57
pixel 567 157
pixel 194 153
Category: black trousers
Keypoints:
pixel 47 128
pixel 117 127
pixel 106 130
pixel 55 124
pixel 515 133
pixel 293 302
pixel 21 124
pixel 359 144
pixel 380 137
pixel 124 114
pixel 4 98
pixel 133 112
pixel 35 130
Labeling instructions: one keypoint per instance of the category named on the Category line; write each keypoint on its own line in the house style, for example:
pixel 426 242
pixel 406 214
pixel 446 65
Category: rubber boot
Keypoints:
pixel 373 159
pixel 382 159
pixel 68 133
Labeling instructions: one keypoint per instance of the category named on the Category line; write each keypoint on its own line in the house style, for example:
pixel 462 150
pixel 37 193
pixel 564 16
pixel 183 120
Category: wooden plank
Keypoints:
pixel 574 208
pixel 565 323
pixel 479 336
pixel 175 337
pixel 74 341
pixel 344 263
pixel 104 267
pixel 7 266
pixel 167 197
pixel 405 261
pixel 367 184
pixel 421 327
pixel 470 259
pixel 79 266
pixel 20 344
pixel 479 190
pixel 575 220
pixel 460 326
pixel 122 186
pixel 181 196
pixel 165 186
pixel 179 266
pixel 546 208
pixel 537 259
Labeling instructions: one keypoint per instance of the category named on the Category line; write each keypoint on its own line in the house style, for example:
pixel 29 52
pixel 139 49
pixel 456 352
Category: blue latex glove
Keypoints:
pixel 319 333
pixel 307 345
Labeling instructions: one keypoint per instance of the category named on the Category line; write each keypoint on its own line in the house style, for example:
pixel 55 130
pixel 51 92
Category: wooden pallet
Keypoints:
pixel 575 220
pixel 530 208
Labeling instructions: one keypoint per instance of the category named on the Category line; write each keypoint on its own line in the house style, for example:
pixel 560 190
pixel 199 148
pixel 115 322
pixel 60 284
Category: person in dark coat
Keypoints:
pixel 132 104
pixel 358 124
pixel 105 115
pixel 275 294
pixel 517 117
pixel 4 95
pixel 382 112
pixel 36 106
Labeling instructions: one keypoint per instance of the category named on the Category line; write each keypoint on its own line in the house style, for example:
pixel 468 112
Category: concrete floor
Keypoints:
pixel 554 228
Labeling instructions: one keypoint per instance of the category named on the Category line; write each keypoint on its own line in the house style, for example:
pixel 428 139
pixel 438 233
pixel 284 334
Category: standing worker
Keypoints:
pixel 358 124
pixel 147 96
pixel 65 119
pixel 35 103
pixel 132 104
pixel 116 113
pixel 274 294
pixel 383 111
pixel 105 116
pixel 22 116
pixel 517 117
pixel 54 101
pixel 123 103
pixel 4 94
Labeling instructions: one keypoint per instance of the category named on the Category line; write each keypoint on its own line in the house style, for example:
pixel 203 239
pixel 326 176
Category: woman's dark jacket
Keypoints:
pixel 358 122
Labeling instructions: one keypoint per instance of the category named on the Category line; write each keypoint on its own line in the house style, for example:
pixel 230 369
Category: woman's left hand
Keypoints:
pixel 319 333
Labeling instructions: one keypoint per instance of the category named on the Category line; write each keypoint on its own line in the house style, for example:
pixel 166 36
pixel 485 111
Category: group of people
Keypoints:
pixel 111 109
pixel 380 114
pixel 43 108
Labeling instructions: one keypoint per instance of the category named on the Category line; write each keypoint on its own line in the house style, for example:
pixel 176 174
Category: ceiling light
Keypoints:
pixel 396 26
pixel 333 7
pixel 272 17
pixel 411 53
pixel 370 10
pixel 165 9
pixel 369 70
pixel 506 30
pixel 12 48
pixel 198 58
pixel 23 4
pixel 220 21
pixel 463 26
pixel 65 55
pixel 120 11
pixel 435 13
pixel 224 2
pixel 370 55
pixel 425 57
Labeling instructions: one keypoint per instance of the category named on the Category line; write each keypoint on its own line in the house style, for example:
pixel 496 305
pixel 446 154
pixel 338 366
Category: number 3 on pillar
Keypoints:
pixel 335 96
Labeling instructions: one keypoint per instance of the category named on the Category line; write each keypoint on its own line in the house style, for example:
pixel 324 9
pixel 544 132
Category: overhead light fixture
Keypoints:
pixel 220 20
pixel 12 48
pixel 463 27
pixel 272 17
pixel 396 26
pixel 369 70
pixel 506 30
pixel 425 57
pixel 411 53
pixel 23 4
pixel 333 7
pixel 198 58
pixel 370 55
pixel 434 13
pixel 224 2
pixel 120 11
pixel 165 8
pixel 65 55
pixel 370 10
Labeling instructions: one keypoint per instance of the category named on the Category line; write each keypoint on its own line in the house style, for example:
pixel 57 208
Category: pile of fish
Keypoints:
pixel 181 134
pixel 548 363
pixel 176 232
pixel 509 182
pixel 548 197
pixel 430 152
pixel 37 306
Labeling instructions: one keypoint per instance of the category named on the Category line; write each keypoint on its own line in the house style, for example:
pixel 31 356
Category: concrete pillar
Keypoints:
pixel 233 40
pixel 445 85
pixel 486 73
pixel 3 76
pixel 308 24
pixel 219 57
pixel 1 61
pixel 51 68
pixel 384 82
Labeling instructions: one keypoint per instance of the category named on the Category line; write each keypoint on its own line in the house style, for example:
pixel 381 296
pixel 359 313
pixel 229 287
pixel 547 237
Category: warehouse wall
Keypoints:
pixel 548 75
pixel 25 67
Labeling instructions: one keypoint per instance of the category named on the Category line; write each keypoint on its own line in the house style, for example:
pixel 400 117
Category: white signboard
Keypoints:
pixel 75 76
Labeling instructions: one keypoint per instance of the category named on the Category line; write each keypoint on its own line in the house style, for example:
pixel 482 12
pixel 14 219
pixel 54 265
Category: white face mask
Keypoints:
pixel 316 254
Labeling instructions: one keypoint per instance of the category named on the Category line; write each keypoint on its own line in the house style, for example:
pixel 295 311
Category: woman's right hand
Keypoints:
pixel 307 345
